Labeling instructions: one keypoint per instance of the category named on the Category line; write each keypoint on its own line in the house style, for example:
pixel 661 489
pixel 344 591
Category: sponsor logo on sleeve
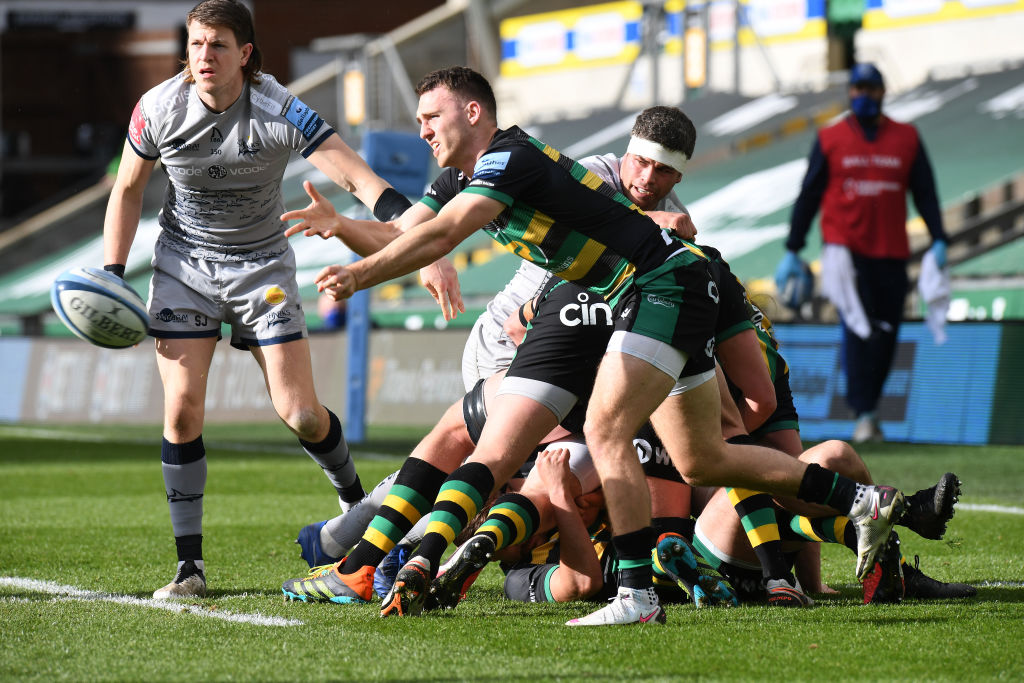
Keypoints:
pixel 491 165
pixel 302 117
pixel 137 124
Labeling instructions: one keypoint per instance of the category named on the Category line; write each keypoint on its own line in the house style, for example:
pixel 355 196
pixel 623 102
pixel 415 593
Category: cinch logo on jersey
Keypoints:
pixel 491 165
pixel 585 313
pixel 100 319
pixel 302 117
pixel 645 451
pixel 274 295
pixel 166 315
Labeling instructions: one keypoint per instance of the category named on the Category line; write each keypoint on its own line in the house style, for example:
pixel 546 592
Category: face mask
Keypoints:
pixel 865 107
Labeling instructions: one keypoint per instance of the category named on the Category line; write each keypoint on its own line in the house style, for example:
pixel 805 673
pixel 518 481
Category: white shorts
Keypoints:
pixel 488 350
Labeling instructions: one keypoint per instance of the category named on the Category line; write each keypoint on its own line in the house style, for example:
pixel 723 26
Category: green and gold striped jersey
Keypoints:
pixel 559 215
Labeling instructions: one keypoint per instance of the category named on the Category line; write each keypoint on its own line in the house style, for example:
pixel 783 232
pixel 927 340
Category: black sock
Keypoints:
pixel 826 487
pixel 634 554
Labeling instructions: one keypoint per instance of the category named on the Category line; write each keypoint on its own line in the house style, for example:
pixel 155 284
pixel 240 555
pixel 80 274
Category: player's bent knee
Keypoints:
pixel 305 422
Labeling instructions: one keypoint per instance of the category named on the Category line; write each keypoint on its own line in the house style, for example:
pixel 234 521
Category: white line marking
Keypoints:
pixel 1001 584
pixel 65 593
pixel 990 508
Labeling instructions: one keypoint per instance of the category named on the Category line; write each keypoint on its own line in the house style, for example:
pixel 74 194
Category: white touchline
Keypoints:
pixel 990 508
pixel 72 593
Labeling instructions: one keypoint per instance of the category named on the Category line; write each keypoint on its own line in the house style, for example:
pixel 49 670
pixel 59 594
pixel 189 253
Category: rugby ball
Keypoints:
pixel 99 307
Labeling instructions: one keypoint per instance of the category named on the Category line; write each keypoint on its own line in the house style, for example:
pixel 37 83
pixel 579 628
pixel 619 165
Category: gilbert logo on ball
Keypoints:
pixel 99 307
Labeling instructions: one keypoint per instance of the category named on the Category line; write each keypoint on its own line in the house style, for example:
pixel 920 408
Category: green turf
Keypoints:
pixel 88 511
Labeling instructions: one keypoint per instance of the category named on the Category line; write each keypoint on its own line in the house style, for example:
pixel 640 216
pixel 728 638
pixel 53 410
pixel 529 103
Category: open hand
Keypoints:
pixel 318 218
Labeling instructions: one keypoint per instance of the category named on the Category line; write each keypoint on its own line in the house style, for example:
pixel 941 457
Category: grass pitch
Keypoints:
pixel 85 538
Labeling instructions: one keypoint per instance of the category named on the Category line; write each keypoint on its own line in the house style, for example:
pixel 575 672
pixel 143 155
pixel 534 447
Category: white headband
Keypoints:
pixel 652 150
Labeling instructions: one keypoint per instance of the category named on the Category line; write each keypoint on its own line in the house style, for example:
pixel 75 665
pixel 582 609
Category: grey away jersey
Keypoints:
pixel 224 169
pixel 529 279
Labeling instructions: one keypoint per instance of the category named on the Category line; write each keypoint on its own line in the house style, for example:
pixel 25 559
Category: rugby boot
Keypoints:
pixel 929 510
pixel 408 593
pixel 884 584
pixel 676 559
pixel 312 552
pixel 874 511
pixel 328 584
pixel 189 582
pixel 460 571
pixel 783 592
pixel 629 606
pixel 384 576
pixel 923 587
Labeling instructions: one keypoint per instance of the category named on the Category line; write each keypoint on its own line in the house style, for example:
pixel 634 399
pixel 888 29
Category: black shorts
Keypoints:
pixel 653 456
pixel 564 345
pixel 566 340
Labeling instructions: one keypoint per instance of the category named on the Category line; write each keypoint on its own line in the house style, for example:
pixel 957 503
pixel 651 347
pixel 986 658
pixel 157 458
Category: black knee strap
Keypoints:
pixel 474 411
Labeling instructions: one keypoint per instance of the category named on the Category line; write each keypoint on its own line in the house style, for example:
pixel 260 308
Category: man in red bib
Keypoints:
pixel 859 172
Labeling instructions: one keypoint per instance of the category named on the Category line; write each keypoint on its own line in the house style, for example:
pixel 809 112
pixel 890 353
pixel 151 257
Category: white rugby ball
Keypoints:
pixel 99 307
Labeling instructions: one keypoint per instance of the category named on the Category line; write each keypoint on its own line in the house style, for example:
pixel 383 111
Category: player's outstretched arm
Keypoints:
pixel 419 246
pixel 320 219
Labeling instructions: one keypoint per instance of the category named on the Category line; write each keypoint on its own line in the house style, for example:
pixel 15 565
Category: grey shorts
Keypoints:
pixel 191 298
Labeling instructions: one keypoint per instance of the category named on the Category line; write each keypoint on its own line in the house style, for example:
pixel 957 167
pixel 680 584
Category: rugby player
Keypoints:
pixel 224 131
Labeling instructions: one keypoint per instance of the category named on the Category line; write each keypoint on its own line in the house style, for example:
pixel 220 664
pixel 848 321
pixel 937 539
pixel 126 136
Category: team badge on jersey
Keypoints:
pixel 274 295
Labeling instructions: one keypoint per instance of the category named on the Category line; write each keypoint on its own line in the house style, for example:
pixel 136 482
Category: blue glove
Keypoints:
pixel 789 267
pixel 938 248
